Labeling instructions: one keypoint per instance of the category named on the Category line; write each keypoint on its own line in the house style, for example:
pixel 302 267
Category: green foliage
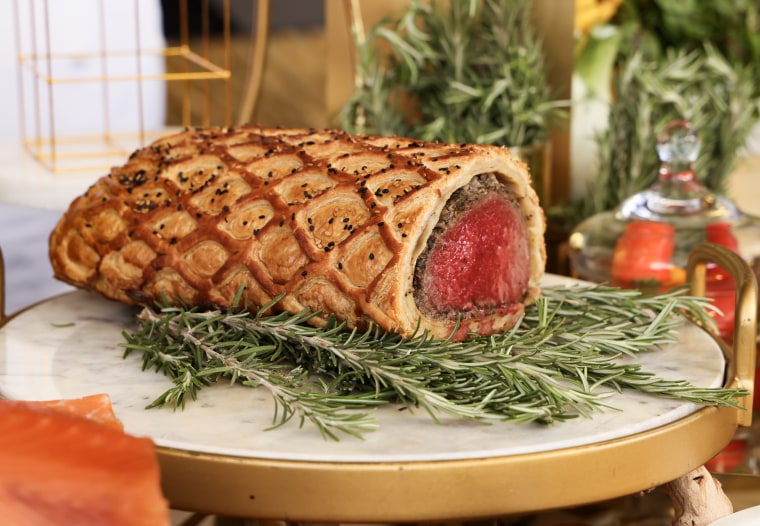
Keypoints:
pixel 699 86
pixel 694 60
pixel 564 359
pixel 731 27
pixel 459 71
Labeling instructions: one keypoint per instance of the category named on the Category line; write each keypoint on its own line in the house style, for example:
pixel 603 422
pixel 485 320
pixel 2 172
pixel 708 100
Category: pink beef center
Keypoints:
pixel 481 261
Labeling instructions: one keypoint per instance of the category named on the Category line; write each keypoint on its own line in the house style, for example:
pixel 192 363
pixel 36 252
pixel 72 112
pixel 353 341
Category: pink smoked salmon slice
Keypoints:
pixel 95 407
pixel 59 468
pixel 482 261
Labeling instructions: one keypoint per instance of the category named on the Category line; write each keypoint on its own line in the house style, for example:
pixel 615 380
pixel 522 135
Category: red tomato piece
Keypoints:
pixel 644 252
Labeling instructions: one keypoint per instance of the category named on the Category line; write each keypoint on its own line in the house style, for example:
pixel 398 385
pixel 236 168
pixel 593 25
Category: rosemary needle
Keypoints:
pixel 569 353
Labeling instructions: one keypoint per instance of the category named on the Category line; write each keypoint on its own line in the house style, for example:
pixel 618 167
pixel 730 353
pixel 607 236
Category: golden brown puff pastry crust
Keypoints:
pixel 334 221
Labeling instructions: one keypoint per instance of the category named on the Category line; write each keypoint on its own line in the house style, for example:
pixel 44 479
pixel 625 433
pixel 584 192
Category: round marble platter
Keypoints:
pixel 70 346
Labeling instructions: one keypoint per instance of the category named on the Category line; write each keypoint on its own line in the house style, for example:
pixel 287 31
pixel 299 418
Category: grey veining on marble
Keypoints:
pixel 70 346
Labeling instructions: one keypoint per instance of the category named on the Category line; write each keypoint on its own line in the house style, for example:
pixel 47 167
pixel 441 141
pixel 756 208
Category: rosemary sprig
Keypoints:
pixel 564 359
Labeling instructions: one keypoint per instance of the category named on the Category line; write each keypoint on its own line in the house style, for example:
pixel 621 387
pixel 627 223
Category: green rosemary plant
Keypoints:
pixel 699 86
pixel 563 360
pixel 733 28
pixel 458 71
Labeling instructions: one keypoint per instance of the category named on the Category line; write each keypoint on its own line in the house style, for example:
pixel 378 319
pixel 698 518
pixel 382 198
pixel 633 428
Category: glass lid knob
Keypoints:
pixel 678 145
pixel 677 196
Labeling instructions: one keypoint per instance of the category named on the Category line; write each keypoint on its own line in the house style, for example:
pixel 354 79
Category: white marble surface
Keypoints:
pixel 69 347
pixel 747 517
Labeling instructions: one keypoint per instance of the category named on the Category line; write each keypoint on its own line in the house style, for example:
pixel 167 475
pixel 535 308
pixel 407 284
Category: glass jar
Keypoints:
pixel 645 242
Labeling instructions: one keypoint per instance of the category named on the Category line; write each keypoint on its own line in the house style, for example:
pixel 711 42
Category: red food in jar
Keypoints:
pixel 719 285
pixel 643 254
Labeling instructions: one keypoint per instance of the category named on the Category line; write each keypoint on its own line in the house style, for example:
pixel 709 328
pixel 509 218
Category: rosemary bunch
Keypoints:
pixel 459 71
pixel 732 27
pixel 699 86
pixel 563 360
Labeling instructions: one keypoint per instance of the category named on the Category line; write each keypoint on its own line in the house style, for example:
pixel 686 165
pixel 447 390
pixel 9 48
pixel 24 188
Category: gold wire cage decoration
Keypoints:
pixel 201 80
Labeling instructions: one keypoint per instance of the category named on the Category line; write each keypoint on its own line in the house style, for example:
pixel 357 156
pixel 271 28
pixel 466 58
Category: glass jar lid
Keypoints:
pixel 645 242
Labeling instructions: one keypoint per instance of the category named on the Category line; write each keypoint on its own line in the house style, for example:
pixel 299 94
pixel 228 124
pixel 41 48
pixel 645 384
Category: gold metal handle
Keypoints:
pixel 742 357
